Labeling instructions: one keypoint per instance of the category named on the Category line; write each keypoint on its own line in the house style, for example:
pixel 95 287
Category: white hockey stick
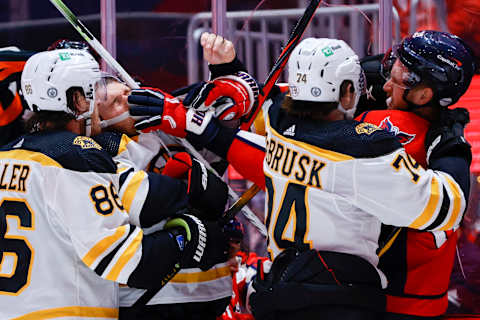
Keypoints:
pixel 105 55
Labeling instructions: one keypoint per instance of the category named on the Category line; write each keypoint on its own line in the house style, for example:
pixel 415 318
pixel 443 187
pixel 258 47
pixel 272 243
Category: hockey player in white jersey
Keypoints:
pixel 193 293
pixel 331 181
pixel 66 238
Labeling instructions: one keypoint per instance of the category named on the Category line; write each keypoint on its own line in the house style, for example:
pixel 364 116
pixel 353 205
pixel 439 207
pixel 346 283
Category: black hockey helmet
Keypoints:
pixel 440 59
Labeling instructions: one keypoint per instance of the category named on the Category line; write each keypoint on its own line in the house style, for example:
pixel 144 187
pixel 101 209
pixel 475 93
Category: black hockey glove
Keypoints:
pixel 446 137
pixel 207 193
pixel 375 97
pixel 204 245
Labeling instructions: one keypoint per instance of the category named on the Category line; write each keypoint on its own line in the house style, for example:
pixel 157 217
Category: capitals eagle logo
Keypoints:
pixel 405 138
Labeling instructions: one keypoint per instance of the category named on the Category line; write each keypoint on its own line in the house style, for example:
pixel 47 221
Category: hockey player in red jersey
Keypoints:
pixel 425 74
pixel 330 182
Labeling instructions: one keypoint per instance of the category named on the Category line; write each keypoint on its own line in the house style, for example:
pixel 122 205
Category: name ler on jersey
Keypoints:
pixel 292 164
pixel 14 176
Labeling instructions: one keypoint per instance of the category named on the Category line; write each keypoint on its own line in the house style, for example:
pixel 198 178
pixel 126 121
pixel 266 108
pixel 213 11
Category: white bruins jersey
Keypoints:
pixel 330 186
pixel 66 238
pixel 150 151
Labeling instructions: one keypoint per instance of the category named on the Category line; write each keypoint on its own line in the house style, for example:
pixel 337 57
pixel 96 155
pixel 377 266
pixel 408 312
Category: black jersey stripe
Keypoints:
pixel 442 214
pixel 108 258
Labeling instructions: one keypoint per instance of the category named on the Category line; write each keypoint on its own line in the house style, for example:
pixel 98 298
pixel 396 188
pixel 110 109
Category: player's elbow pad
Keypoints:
pixel 160 253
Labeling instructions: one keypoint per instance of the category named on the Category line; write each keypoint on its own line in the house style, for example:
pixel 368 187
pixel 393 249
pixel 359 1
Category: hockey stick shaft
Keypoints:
pixel 104 54
pixel 94 43
pixel 272 78
pixel 282 60
pixel 240 204
pixel 243 199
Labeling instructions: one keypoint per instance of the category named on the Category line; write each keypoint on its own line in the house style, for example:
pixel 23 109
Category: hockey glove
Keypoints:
pixel 159 111
pixel 207 193
pixel 205 244
pixel 446 137
pixel 231 97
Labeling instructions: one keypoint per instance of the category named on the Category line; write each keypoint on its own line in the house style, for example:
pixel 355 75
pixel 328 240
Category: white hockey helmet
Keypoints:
pixel 317 68
pixel 49 74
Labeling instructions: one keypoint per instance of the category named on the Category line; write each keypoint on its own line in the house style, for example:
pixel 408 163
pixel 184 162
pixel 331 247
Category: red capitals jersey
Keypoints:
pixel 418 265
pixel 247 269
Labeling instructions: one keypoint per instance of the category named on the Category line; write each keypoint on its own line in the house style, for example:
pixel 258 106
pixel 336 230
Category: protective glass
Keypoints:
pixel 101 86
pixel 399 76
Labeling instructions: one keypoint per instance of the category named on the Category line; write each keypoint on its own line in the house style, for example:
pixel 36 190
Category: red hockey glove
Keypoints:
pixel 232 96
pixel 159 111
pixel 207 193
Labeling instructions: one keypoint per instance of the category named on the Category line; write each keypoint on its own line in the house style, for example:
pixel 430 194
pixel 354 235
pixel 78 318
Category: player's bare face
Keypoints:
pixel 115 104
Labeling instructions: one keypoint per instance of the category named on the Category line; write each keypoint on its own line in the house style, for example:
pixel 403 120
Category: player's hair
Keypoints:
pixel 312 109
pixel 53 120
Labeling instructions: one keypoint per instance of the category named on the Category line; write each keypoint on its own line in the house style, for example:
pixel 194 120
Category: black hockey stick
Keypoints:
pixel 295 36
pixel 272 78
pixel 282 60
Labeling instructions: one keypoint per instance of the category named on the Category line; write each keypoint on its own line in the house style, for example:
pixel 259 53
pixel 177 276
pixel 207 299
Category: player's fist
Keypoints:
pixel 217 49
pixel 158 111
pixel 231 97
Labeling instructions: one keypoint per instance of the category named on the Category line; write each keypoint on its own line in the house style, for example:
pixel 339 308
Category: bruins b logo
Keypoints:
pixel 86 143
pixel 366 128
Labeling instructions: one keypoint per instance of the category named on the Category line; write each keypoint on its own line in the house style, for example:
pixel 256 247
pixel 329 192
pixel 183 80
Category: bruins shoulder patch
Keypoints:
pixel 86 143
pixel 366 128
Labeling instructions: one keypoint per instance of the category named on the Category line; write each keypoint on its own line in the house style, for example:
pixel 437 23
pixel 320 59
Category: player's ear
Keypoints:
pixel 347 95
pixel 423 95
pixel 79 102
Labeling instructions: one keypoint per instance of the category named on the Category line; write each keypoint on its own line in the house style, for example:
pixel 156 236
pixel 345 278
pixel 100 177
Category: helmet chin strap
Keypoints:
pixel 114 120
pixel 348 113
pixel 88 118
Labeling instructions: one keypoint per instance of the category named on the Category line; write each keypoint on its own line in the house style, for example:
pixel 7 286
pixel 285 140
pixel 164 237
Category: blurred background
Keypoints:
pixel 156 41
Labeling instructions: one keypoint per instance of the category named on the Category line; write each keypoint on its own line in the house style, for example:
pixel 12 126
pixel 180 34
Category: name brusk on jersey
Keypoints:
pixel 14 177
pixel 292 164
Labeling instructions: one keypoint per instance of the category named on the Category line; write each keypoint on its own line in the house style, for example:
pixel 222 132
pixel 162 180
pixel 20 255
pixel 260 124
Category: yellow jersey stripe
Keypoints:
pixel 429 210
pixel 103 245
pixel 123 143
pixel 132 188
pixel 27 155
pixel 326 154
pixel 125 257
pixel 259 123
pixel 457 204
pixel 76 311
pixel 208 275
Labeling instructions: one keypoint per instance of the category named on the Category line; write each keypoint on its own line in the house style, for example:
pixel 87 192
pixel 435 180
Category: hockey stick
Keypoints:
pixel 105 55
pixel 94 43
pixel 282 59
pixel 269 83
pixel 272 78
